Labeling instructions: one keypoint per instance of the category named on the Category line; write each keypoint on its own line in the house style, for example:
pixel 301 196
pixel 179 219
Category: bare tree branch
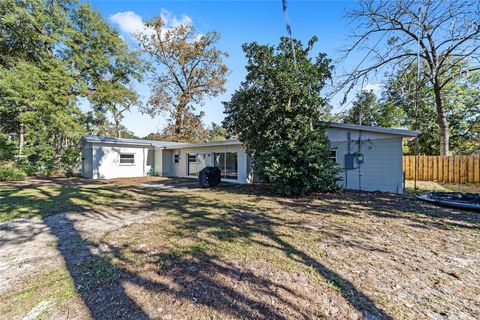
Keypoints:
pixel 447 34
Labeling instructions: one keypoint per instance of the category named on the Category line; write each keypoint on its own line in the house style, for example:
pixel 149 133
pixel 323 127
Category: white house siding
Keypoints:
pixel 381 170
pixel 180 169
pixel 167 161
pixel 163 162
pixel 106 161
pixel 382 167
pixel 157 164
pixel 87 158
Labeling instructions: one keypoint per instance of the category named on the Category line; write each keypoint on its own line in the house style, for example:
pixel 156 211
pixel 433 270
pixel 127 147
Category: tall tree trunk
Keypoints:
pixel 178 123
pixel 179 112
pixel 442 120
pixel 118 130
pixel 21 139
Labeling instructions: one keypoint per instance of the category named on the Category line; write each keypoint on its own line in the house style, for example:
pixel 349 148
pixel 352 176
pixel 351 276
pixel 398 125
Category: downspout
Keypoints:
pixel 162 173
pixel 153 162
pixel 94 169
pixel 359 164
pixel 349 142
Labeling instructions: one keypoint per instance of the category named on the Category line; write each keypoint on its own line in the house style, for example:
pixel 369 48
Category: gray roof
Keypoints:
pixel 153 143
pixel 395 131
pixel 207 144
pixel 156 143
pixel 178 145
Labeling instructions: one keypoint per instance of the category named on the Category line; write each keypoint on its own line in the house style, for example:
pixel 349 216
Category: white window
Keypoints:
pixel 127 159
pixel 333 155
pixel 176 158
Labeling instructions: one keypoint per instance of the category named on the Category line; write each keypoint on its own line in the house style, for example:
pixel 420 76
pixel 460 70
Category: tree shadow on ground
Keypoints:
pixel 389 206
pixel 251 223
pixel 202 277
pixel 91 271
pixel 101 283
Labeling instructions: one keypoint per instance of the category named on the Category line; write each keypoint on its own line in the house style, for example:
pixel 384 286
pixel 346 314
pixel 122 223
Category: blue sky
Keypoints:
pixel 238 22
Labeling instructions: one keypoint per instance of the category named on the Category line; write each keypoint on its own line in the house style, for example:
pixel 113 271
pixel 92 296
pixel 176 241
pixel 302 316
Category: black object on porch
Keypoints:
pixel 209 177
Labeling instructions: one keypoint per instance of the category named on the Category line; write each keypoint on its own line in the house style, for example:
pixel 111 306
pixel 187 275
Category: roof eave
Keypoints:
pixel 392 131
pixel 118 142
pixel 200 145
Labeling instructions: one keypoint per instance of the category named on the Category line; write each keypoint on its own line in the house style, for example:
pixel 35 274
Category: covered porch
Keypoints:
pixel 187 160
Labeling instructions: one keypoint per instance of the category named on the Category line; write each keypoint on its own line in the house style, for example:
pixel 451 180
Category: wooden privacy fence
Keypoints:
pixel 455 169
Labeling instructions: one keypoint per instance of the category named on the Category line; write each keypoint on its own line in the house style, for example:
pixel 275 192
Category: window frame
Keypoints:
pixel 223 168
pixel 336 155
pixel 176 158
pixel 189 158
pixel 126 154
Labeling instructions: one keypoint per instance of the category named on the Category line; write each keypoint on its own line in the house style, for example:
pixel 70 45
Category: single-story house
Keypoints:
pixel 370 157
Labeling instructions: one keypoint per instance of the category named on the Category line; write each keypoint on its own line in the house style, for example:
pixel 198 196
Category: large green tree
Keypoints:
pixel 188 67
pixel 114 98
pixel 276 111
pixel 444 35
pixel 52 53
pixel 461 102
pixel 364 110
pixel 368 110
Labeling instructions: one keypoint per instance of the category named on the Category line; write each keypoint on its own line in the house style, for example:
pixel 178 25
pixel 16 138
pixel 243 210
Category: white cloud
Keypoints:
pixel 172 22
pixel 372 86
pixel 131 23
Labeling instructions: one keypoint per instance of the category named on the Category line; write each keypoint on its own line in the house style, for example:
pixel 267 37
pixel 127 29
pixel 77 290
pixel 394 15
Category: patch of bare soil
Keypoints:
pixel 30 245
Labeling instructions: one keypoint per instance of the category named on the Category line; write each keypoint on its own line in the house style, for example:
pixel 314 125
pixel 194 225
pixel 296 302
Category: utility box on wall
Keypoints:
pixel 349 161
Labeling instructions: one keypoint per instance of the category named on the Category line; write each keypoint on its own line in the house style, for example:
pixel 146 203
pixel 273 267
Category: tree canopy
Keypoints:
pixel 187 69
pixel 52 54
pixel 364 110
pixel 462 101
pixel 396 108
pixel 276 112
pixel 445 35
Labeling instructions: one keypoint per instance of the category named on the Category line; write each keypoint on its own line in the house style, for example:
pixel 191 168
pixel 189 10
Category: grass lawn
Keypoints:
pixel 119 249
pixel 443 187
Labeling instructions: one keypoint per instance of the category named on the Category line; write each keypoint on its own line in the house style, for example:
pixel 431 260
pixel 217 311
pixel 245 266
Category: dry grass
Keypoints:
pixel 236 252
pixel 441 186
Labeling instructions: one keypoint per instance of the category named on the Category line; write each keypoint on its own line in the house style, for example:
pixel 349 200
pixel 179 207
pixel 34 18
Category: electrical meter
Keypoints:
pixel 360 157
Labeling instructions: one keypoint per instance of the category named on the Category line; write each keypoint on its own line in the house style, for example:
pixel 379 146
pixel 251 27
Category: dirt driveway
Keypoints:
pixel 163 249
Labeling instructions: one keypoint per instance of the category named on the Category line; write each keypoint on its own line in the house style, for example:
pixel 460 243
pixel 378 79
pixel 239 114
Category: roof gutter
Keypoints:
pixel 393 131
pixel 119 142
pixel 202 145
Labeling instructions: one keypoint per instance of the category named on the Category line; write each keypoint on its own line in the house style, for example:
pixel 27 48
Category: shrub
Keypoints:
pixel 8 148
pixel 300 165
pixel 9 172
pixel 70 161
pixel 23 164
pixel 42 159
